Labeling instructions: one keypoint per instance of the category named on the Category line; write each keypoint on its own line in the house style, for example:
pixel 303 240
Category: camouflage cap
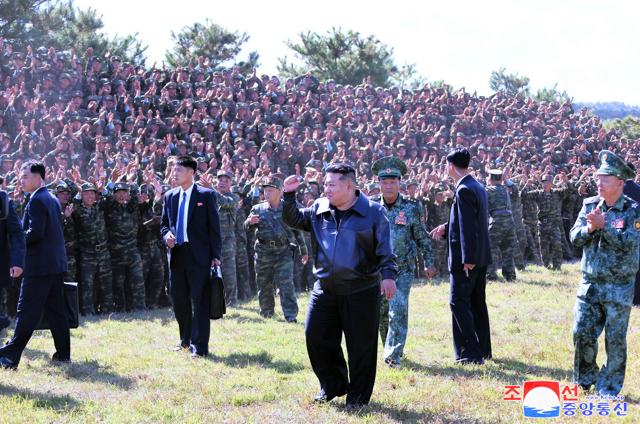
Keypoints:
pixel 389 167
pixel 61 187
pixel 223 173
pixel 612 164
pixel 121 186
pixel 88 187
pixel 274 181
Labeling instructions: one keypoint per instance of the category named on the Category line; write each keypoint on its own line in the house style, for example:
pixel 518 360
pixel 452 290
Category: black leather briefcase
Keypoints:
pixel 218 306
pixel 71 307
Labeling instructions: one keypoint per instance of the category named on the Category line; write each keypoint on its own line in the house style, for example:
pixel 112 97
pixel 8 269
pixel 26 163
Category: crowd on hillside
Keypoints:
pixel 96 119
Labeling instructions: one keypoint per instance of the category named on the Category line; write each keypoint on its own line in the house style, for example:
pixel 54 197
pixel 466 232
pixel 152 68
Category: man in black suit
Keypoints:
pixel 42 288
pixel 469 255
pixel 12 247
pixel 191 230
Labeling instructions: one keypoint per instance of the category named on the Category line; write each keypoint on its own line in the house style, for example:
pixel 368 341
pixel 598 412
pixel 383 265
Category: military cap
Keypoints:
pixel 223 173
pixel 170 85
pixel 612 164
pixel 62 186
pixel 372 186
pixel 495 174
pixel 389 167
pixel 265 145
pixel 412 183
pixel 315 164
pixel 274 181
pixel 309 142
pixel 546 178
pixel 341 143
pixel 121 186
pixel 88 187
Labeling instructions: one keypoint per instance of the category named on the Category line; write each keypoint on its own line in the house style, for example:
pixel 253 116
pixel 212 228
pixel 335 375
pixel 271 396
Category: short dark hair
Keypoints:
pixel 35 168
pixel 187 162
pixel 459 157
pixel 345 170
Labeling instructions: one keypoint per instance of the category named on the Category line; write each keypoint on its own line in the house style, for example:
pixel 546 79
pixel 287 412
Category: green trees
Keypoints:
pixel 212 41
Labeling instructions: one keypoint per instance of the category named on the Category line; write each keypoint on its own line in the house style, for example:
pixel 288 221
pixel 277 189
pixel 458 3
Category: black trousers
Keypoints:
pixel 38 295
pixel 470 317
pixel 357 316
pixel 190 291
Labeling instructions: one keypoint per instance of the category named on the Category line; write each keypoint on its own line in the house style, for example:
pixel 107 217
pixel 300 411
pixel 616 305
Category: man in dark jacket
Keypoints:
pixel 469 255
pixel 351 241
pixel 42 288
pixel 632 190
pixel 12 247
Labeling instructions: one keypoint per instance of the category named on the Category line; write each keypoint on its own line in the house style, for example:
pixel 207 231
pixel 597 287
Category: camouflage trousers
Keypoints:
pixel 550 244
pixel 308 279
pixel 228 268
pixel 242 273
pixel 567 248
pixel 298 267
pixel 592 316
pixel 504 242
pixel 532 249
pixel 72 268
pixel 519 254
pixel 152 272
pixel 96 282
pixel 394 317
pixel 274 269
pixel 441 261
pixel 128 280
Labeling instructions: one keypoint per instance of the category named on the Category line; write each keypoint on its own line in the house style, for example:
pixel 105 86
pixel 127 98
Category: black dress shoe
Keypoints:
pixel 5 322
pixel 470 361
pixel 7 364
pixel 354 406
pixel 58 358
pixel 292 320
pixel 180 347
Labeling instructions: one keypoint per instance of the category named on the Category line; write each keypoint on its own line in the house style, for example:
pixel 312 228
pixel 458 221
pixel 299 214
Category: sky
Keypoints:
pixel 588 48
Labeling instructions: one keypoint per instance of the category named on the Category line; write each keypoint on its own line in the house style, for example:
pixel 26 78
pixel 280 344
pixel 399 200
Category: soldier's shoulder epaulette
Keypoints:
pixel 592 199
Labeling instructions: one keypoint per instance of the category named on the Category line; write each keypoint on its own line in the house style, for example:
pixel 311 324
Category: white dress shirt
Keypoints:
pixel 186 210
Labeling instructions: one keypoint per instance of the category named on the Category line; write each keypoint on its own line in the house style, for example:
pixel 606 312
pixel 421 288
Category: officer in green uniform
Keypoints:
pixel 408 234
pixel 501 228
pixel 64 193
pixel 227 207
pixel 150 212
pixel 608 231
pixel 274 254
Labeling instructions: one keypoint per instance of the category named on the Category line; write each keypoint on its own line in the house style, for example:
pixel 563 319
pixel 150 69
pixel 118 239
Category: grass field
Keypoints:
pixel 123 369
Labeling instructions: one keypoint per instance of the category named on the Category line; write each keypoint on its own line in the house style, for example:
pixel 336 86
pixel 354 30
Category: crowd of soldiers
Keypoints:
pixel 97 122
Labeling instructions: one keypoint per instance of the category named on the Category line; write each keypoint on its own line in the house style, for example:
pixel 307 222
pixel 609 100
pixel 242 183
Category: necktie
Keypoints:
pixel 180 236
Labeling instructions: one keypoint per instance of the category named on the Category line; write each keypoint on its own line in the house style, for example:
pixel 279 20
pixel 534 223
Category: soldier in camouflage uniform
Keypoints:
pixel 273 247
pixel 408 234
pixel 96 286
pixel 437 213
pixel 65 191
pixel 519 254
pixel 227 207
pixel 530 221
pixel 549 200
pixel 608 230
pixel 502 232
pixel 122 217
pixel 150 213
pixel 242 258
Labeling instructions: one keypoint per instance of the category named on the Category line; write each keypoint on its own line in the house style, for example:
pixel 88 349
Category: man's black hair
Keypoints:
pixel 459 157
pixel 344 169
pixel 35 167
pixel 187 162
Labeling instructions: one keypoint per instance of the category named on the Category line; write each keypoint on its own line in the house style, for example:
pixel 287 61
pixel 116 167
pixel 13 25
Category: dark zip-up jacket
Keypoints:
pixel 350 256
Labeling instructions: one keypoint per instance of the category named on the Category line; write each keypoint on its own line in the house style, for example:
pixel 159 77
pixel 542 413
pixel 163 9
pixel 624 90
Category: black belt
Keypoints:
pixel 271 243
pixel 501 212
